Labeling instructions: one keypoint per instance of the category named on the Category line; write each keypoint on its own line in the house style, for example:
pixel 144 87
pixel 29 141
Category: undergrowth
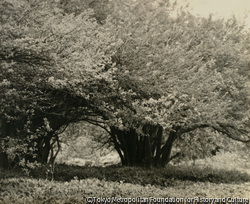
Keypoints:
pixel 72 184
pixel 169 176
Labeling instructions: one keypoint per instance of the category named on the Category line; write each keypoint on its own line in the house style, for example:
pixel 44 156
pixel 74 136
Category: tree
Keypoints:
pixel 194 71
pixel 149 73
pixel 52 73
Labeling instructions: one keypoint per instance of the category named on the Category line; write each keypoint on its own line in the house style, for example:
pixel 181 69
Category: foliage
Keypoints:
pixel 77 6
pixel 149 73
pixel 193 70
pixel 207 143
pixel 194 63
pixel 52 68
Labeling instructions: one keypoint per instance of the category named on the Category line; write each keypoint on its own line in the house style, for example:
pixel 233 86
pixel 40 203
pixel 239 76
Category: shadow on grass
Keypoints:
pixel 170 176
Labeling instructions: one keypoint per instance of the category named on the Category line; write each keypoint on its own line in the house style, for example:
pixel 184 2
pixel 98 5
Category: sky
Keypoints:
pixel 221 8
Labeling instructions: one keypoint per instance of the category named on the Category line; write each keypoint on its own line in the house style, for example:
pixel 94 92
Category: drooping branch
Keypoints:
pixel 26 56
pixel 97 123
pixel 225 129
pixel 192 128
pixel 219 127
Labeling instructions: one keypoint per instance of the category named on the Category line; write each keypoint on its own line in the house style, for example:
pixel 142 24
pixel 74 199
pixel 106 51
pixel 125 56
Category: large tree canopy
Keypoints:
pixel 52 70
pixel 193 69
pixel 202 62
pixel 149 73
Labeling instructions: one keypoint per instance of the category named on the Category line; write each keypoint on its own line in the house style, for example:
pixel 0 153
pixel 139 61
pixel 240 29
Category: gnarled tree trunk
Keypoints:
pixel 145 149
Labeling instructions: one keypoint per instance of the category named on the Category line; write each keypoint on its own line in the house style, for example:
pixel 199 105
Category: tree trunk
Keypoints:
pixel 167 148
pixel 44 148
pixel 138 150
pixel 117 145
pixel 146 149
pixel 4 163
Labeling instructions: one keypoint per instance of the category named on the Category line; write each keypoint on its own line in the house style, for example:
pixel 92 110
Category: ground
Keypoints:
pixel 212 178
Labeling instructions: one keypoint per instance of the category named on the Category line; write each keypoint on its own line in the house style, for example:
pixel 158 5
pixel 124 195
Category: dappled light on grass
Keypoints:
pixel 72 184
pixel 23 190
pixel 170 176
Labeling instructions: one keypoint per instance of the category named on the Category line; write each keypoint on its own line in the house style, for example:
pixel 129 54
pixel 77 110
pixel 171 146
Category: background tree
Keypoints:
pixel 52 74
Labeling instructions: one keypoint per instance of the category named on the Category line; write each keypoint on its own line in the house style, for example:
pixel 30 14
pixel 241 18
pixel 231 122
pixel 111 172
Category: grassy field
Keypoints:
pixel 209 178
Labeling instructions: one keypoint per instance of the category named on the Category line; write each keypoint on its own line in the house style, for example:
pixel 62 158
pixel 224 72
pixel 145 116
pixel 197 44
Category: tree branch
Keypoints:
pixel 219 127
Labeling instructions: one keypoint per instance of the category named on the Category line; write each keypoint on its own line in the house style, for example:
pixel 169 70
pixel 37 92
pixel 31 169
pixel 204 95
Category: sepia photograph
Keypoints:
pixel 124 101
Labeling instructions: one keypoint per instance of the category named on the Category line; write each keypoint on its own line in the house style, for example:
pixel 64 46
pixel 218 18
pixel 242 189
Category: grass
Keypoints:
pixel 72 184
pixel 26 190
pixel 224 168
pixel 170 176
